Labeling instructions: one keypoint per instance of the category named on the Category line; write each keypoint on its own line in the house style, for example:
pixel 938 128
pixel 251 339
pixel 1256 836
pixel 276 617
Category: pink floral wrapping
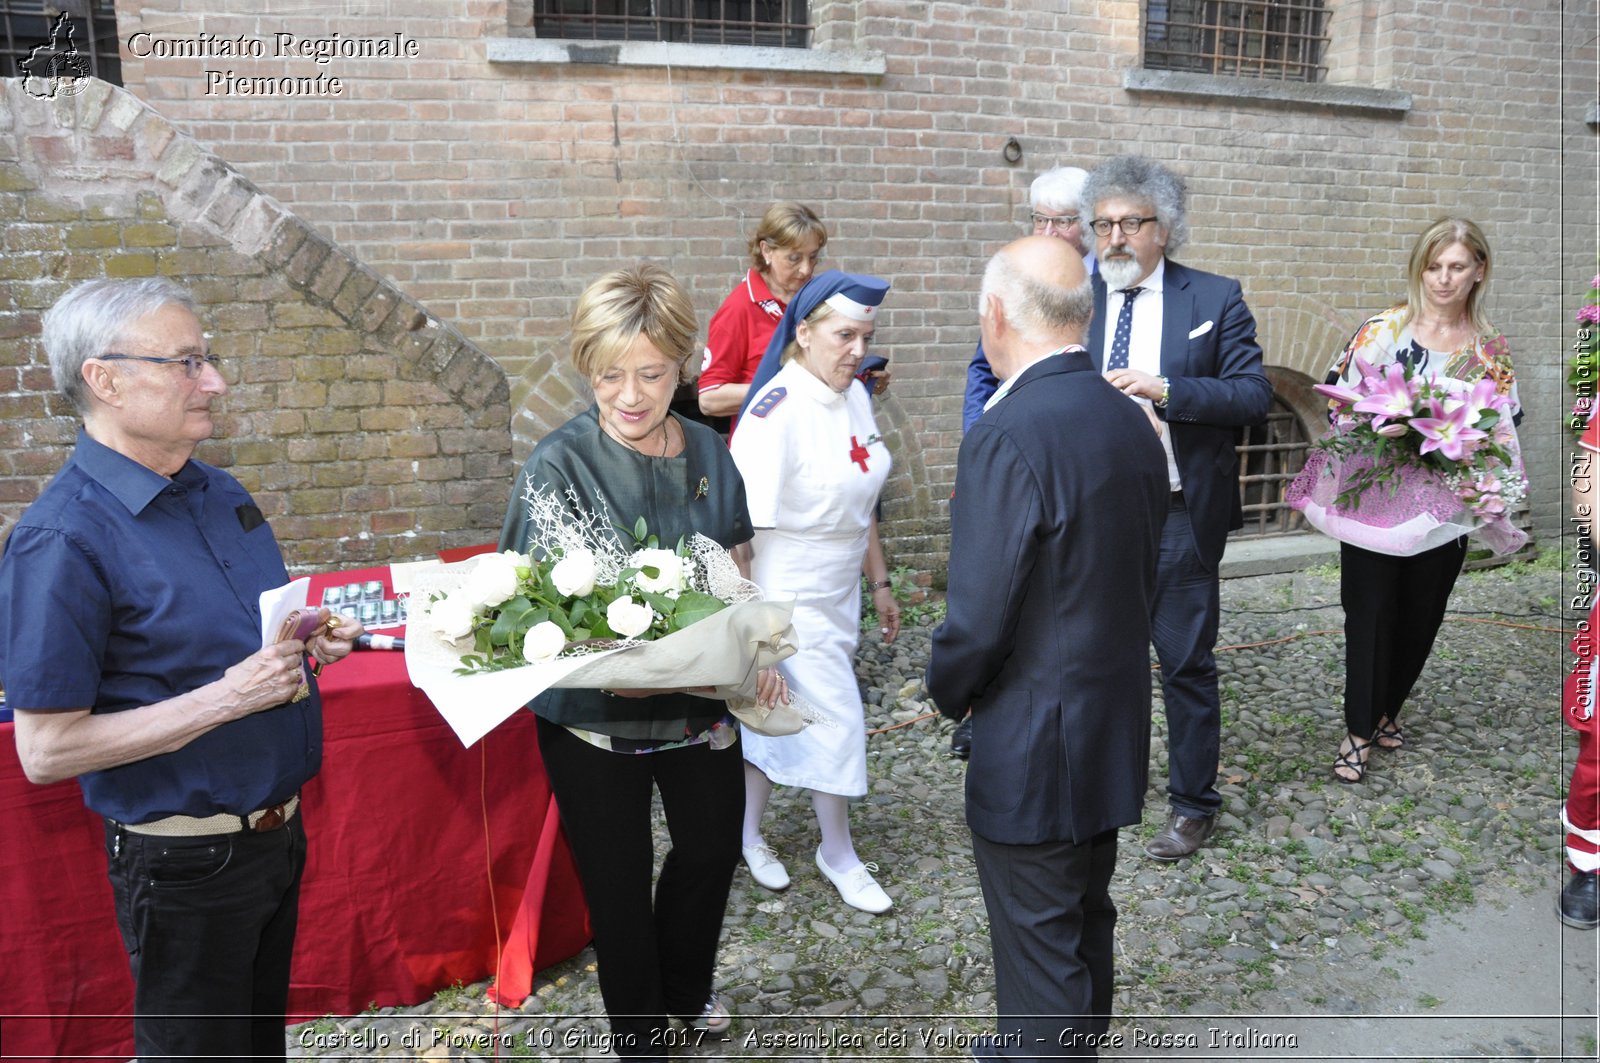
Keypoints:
pixel 1420 512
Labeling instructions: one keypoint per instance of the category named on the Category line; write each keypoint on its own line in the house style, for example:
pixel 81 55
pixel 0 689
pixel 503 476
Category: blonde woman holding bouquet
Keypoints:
pixel 1394 600
pixel 628 457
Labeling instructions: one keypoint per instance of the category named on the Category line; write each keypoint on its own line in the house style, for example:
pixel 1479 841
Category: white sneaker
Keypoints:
pixel 765 867
pixel 858 888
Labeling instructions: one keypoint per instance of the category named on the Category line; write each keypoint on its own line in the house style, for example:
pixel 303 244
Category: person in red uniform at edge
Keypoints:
pixel 1579 904
pixel 783 255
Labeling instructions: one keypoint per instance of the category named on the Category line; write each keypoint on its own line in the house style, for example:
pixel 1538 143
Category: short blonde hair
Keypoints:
pixel 786 225
pixel 1433 241
pixel 620 306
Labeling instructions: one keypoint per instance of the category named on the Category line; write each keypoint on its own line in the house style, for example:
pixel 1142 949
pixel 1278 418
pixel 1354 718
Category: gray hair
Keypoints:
pixel 1039 312
pixel 90 320
pixel 1061 187
pixel 1136 177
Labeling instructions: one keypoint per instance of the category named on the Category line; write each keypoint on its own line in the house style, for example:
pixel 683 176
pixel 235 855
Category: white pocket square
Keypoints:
pixel 1201 331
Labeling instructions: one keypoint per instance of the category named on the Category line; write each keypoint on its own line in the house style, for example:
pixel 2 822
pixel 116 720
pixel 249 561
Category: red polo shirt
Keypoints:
pixel 739 333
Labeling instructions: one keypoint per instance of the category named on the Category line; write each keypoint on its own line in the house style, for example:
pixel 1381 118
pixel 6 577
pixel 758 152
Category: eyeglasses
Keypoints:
pixel 192 364
pixel 1102 226
pixel 1044 222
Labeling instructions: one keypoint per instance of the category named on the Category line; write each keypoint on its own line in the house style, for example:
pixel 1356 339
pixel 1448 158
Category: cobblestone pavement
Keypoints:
pixel 1408 917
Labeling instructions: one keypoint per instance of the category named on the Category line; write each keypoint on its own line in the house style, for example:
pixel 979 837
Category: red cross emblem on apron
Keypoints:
pixel 858 453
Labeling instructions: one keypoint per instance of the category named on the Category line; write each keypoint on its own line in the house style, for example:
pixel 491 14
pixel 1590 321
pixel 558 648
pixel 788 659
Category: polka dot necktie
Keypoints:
pixel 1119 340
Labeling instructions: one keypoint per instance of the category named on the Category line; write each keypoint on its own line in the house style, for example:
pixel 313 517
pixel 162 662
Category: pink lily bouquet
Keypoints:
pixel 1414 462
pixel 585 610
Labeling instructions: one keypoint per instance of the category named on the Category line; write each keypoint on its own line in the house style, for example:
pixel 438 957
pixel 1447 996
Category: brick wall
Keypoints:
pixel 492 192
pixel 368 430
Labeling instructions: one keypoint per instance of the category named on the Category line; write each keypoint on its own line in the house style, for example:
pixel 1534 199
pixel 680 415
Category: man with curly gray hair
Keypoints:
pixel 1183 342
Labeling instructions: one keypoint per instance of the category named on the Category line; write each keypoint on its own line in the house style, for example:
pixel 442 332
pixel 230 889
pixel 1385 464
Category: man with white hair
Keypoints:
pixel 1046 640
pixel 1053 210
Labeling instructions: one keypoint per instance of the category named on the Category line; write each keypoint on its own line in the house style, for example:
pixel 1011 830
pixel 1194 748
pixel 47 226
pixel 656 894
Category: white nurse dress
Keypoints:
pixel 813 465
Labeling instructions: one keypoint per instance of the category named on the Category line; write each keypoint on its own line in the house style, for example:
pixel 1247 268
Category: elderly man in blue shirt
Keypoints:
pixel 131 651
pixel 1053 210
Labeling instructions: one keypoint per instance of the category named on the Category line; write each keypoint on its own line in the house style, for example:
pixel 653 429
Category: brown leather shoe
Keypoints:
pixel 1182 836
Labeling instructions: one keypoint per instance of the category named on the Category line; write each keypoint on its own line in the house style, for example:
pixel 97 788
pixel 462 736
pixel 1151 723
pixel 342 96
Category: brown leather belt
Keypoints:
pixel 257 822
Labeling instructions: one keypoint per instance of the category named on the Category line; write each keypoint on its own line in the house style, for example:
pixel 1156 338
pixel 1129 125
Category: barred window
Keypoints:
pixel 1271 454
pixel 1284 40
pixel 772 23
pixel 47 39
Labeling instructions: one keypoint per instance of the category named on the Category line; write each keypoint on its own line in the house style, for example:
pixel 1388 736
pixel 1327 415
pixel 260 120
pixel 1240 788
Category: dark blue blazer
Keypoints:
pixel 1061 491
pixel 1212 363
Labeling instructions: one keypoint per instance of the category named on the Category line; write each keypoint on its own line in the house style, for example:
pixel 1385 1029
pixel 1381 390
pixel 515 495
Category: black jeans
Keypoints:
pixel 654 957
pixel 209 926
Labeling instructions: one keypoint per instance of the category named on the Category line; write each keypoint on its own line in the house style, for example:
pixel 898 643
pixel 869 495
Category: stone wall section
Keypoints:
pixel 368 429
pixel 491 192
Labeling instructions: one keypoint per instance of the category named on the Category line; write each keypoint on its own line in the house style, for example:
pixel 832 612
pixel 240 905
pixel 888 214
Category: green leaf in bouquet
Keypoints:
pixel 563 620
pixel 694 606
pixel 512 622
pixel 640 528
pixel 663 605
pixel 1488 419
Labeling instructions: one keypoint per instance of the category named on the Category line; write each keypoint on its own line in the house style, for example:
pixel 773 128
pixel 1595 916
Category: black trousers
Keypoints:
pixel 209 926
pixel 1051 923
pixel 1393 607
pixel 1183 628
pixel 655 958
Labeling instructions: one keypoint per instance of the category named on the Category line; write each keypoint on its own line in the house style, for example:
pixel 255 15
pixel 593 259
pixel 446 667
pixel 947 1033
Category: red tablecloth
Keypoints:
pixel 410 836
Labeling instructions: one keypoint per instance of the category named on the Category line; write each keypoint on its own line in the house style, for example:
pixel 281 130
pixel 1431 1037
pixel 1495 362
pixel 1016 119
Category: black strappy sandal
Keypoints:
pixel 1351 760
pixel 1390 732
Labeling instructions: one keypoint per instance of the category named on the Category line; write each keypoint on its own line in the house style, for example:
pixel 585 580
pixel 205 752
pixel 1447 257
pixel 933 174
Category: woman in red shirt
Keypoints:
pixel 783 255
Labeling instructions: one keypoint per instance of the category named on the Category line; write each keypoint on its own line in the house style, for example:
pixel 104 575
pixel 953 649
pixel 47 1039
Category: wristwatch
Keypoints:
pixel 1166 393
pixel 879 585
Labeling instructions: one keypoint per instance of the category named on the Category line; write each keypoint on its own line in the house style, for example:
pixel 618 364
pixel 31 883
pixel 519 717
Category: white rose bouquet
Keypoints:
pixel 584 610
pixel 514 606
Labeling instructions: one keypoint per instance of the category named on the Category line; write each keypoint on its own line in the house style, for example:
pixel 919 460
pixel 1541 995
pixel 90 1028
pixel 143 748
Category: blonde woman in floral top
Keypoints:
pixel 1394 605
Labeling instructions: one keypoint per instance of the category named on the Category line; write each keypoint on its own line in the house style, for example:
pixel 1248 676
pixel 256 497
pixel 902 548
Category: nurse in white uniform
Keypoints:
pixel 814 463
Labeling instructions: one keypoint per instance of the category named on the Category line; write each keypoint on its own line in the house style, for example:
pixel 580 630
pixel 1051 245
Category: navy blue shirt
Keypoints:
pixel 120 588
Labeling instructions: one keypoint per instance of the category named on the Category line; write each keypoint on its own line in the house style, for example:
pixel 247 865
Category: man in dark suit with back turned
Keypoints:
pixel 1184 343
pixel 1060 494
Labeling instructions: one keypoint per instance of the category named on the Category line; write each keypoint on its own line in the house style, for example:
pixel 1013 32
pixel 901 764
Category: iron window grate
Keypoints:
pixel 31 33
pixel 770 23
pixel 1282 40
pixel 1270 456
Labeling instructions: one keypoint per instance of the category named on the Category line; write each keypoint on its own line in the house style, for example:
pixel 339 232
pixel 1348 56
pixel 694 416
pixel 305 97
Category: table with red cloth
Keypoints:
pixel 410 836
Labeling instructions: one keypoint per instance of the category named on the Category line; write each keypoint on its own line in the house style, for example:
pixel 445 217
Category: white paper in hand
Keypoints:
pixel 276 605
